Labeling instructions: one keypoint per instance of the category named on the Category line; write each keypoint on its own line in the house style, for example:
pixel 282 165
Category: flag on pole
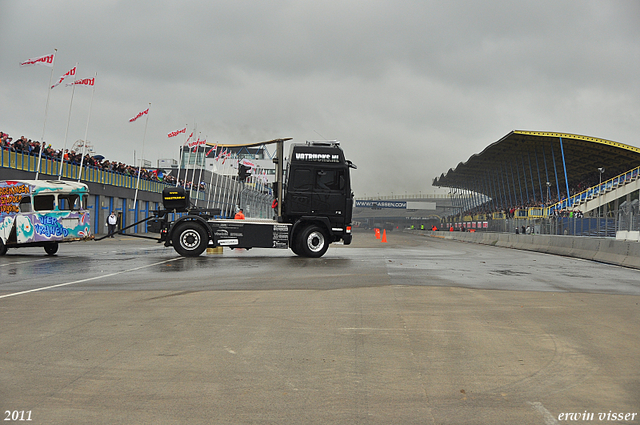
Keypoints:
pixel 198 143
pixel 146 111
pixel 225 155
pixel 247 163
pixel 83 82
pixel 215 147
pixel 70 73
pixel 175 133
pixel 46 60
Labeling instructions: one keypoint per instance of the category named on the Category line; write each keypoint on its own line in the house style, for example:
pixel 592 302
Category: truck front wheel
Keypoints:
pixel 313 242
pixel 190 239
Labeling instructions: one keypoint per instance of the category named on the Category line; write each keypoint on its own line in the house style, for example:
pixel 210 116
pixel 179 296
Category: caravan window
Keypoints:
pixel 25 204
pixel 43 202
pixel 69 202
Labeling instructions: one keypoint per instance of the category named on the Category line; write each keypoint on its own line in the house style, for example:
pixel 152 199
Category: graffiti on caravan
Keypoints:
pixel 49 226
pixel 382 204
pixel 10 197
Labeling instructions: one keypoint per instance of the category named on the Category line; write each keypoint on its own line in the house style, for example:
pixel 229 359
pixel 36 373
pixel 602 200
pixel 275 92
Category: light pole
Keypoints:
pixel 601 170
pixel 548 192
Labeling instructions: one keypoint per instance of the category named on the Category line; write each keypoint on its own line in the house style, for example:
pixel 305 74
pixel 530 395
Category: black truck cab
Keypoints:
pixel 318 190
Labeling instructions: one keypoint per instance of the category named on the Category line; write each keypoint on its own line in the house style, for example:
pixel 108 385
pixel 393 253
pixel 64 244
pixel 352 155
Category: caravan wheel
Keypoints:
pixel 51 248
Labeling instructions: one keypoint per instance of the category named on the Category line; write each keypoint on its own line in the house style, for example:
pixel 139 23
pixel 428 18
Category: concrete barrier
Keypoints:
pixel 622 252
pixel 628 235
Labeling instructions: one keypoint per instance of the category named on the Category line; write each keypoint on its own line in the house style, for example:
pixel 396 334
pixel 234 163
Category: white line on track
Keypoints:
pixel 546 415
pixel 44 288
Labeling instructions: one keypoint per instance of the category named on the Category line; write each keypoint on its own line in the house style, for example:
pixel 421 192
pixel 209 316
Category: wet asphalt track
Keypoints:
pixel 417 330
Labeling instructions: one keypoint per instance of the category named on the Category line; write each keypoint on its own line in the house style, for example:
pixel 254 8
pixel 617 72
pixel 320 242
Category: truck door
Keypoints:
pixel 300 189
pixel 328 196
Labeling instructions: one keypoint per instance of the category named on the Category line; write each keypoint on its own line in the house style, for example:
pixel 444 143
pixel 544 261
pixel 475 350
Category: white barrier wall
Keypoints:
pixel 607 250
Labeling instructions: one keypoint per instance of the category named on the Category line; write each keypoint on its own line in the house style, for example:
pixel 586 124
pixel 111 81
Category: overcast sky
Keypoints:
pixel 410 88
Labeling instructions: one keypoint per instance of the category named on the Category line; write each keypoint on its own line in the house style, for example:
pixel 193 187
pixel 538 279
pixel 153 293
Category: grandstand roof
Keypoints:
pixel 520 156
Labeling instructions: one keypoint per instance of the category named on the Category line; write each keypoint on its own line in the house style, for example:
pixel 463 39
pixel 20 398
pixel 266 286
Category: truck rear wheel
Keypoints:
pixel 190 239
pixel 313 242
pixel 3 248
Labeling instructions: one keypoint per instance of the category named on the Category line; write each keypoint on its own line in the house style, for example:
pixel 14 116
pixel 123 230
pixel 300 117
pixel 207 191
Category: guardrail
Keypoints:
pixel 595 191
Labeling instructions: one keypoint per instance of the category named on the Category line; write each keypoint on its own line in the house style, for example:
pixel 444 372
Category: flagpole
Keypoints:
pixel 215 148
pixel 220 181
pixel 73 89
pixel 46 110
pixel 180 154
pixel 193 173
pixel 227 185
pixel 229 195
pixel 186 174
pixel 215 193
pixel 135 198
pixel 204 161
pixel 210 186
pixel 223 183
pixel 86 130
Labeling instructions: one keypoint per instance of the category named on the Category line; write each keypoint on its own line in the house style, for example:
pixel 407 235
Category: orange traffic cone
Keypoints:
pixel 384 236
pixel 377 233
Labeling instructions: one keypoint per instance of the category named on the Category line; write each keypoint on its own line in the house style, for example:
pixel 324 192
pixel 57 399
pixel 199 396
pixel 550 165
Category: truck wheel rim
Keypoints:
pixel 315 241
pixel 190 239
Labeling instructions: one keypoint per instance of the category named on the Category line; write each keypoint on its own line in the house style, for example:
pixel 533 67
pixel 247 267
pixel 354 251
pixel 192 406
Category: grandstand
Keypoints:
pixel 535 176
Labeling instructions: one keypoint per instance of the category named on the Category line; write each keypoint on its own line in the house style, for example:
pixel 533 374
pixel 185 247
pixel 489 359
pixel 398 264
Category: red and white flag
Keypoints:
pixel 146 111
pixel 175 133
pixel 247 163
pixel 225 155
pixel 83 82
pixel 46 60
pixel 198 143
pixel 214 148
pixel 70 73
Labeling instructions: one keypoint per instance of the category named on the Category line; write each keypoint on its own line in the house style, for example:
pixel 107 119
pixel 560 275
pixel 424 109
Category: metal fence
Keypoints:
pixel 626 218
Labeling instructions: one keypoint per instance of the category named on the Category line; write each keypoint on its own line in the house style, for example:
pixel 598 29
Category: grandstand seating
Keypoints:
pixel 581 199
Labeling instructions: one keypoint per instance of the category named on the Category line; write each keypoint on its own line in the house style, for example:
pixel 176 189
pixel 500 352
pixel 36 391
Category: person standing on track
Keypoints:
pixel 112 222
